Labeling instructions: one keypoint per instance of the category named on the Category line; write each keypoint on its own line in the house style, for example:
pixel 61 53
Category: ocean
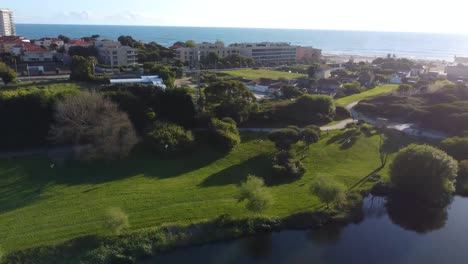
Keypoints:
pixel 364 43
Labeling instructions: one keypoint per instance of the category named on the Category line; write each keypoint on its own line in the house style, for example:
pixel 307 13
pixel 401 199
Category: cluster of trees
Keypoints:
pixel 147 52
pixel 394 64
pixel 285 161
pixel 224 133
pixel 349 89
pixel 444 110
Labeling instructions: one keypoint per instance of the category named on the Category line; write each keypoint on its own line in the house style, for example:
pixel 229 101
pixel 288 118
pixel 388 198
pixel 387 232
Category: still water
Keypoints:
pixel 389 233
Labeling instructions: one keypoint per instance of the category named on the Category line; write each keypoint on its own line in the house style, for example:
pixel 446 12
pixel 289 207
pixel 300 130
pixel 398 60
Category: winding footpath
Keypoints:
pixel 408 128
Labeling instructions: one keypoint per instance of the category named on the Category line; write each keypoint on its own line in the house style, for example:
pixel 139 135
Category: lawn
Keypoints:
pixel 40 205
pixel 367 94
pixel 257 74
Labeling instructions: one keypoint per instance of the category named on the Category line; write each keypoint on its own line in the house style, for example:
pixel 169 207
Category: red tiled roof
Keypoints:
pixel 79 42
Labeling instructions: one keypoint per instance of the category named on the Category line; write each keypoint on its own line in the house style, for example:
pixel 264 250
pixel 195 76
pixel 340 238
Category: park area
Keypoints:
pixel 41 205
pixel 379 90
pixel 254 74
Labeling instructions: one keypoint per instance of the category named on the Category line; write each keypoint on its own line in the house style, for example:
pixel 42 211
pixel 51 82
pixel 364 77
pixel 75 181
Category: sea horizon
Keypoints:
pixel 413 45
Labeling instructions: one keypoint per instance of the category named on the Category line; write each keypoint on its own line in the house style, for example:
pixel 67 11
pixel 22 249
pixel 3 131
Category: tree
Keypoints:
pixel 310 136
pixel 328 190
pixel 86 52
pixel 129 41
pixel 286 164
pixel 190 44
pixel 224 133
pixel 312 70
pixel 165 73
pixel 7 74
pixel 254 192
pixel 284 138
pixel 404 88
pixel 352 88
pixel 95 125
pixel 65 39
pixel 230 99
pixel 168 139
pixel 116 220
pixel 309 109
pixel 290 91
pixel 424 171
pixel 81 68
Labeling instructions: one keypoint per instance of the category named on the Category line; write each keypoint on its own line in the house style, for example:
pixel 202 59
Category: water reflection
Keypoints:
pixel 328 235
pixel 259 247
pixel 416 216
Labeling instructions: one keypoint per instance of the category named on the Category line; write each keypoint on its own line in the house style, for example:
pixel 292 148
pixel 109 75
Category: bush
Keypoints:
pixel 456 147
pixel 284 138
pixel 309 109
pixel 285 164
pixel 257 196
pixel 225 134
pixel 425 171
pixel 169 139
pixel 310 136
pixel 342 113
pixel 290 91
pixel 116 220
pixel 328 190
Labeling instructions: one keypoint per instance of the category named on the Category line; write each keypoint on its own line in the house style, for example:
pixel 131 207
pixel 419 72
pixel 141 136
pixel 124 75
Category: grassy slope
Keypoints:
pixel 367 94
pixel 257 74
pixel 39 205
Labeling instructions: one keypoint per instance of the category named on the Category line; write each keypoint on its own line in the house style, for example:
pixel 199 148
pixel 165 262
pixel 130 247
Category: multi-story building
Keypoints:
pixel 308 55
pixel 7 24
pixel 47 42
pixel 113 53
pixel 193 55
pixel 268 53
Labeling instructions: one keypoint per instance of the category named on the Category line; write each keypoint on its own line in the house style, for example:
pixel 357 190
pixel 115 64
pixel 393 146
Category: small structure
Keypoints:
pixel 328 86
pixel 152 80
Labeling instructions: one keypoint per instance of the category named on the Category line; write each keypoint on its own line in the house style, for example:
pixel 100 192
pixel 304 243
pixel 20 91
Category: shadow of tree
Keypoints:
pixel 259 166
pixel 346 139
pixel 22 180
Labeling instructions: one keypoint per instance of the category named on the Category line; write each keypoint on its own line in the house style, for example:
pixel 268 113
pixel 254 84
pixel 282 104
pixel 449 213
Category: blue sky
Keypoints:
pixel 445 16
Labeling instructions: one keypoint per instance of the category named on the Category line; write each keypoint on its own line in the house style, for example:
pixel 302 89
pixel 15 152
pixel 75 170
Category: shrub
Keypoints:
pixel 116 220
pixel 342 113
pixel 257 196
pixel 425 171
pixel 309 109
pixel 310 136
pixel 456 147
pixel 225 134
pixel 328 190
pixel 290 91
pixel 284 138
pixel 285 164
pixel 167 138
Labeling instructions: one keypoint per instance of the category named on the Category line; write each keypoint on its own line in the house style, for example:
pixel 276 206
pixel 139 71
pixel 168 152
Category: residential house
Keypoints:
pixel 77 42
pixel 7 43
pixel 32 53
pixel 328 86
pixel 456 72
pixel 399 78
pixel 113 53
pixel 48 42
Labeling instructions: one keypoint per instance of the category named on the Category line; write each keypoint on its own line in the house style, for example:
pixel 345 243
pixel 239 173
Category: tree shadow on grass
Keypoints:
pixel 346 140
pixel 23 180
pixel 259 166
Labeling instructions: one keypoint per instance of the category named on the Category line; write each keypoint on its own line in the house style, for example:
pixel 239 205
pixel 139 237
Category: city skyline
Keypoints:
pixel 366 15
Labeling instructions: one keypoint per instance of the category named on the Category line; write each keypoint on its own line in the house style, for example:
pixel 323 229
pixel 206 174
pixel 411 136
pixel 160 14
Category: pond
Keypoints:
pixel 388 233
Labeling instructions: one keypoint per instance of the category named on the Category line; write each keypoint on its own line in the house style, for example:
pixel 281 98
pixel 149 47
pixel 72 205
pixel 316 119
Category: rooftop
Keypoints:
pixel 155 80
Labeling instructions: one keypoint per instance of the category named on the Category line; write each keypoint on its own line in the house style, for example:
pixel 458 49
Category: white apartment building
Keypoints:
pixel 200 51
pixel 47 42
pixel 263 53
pixel 7 24
pixel 114 53
pixel 268 53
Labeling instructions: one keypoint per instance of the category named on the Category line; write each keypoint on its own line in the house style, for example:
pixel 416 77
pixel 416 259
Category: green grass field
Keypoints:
pixel 40 205
pixel 257 74
pixel 367 94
